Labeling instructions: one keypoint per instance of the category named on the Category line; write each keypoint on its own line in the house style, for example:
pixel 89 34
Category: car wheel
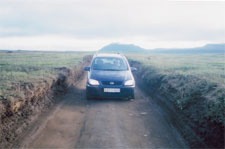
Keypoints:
pixel 87 96
pixel 132 97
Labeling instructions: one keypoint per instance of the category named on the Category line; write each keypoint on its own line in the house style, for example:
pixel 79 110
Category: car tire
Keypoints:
pixel 132 97
pixel 87 96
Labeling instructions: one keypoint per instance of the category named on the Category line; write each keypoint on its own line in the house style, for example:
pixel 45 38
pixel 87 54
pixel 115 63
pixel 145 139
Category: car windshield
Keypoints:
pixel 109 63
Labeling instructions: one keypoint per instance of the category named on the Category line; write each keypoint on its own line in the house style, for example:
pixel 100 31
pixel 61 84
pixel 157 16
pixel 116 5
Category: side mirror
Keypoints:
pixel 133 69
pixel 86 68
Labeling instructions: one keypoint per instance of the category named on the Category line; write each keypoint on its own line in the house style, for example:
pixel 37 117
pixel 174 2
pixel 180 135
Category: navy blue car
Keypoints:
pixel 110 76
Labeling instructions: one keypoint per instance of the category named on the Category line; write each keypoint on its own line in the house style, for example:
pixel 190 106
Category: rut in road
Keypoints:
pixel 78 123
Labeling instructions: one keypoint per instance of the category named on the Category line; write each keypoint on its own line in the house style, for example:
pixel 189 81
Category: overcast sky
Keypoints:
pixel 92 24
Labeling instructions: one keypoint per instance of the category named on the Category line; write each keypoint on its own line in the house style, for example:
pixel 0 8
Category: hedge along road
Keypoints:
pixel 77 123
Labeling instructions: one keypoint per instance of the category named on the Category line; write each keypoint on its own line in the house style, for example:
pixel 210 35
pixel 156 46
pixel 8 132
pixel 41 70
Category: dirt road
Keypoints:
pixel 77 123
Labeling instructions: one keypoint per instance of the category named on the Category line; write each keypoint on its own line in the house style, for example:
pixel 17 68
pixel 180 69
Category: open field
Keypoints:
pixel 206 66
pixel 32 67
pixel 194 84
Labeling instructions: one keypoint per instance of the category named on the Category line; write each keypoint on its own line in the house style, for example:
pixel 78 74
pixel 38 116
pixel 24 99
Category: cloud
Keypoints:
pixel 121 20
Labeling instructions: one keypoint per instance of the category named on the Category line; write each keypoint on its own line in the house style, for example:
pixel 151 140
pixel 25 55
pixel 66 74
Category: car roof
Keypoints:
pixel 108 55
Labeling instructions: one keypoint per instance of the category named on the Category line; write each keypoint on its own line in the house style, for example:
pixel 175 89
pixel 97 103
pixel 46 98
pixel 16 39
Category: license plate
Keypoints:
pixel 112 90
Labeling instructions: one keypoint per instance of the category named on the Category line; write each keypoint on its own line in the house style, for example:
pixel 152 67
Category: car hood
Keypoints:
pixel 110 75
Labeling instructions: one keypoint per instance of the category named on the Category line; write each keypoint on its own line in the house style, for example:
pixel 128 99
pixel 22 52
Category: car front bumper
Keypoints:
pixel 98 92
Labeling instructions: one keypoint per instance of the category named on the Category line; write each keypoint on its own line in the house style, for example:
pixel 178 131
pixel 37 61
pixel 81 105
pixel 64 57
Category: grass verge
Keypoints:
pixel 29 82
pixel 200 100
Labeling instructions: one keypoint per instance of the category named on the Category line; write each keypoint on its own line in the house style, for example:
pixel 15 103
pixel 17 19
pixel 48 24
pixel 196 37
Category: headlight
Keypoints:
pixel 93 82
pixel 129 83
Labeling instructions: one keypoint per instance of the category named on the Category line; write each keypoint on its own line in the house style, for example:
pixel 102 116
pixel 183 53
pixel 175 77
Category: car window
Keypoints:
pixel 109 63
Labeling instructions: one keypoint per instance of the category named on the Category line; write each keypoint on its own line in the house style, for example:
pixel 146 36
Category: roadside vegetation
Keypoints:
pixel 24 71
pixel 210 67
pixel 194 84
pixel 32 67
pixel 28 83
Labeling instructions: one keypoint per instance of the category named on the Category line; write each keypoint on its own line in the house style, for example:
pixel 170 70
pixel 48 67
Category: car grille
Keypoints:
pixel 112 82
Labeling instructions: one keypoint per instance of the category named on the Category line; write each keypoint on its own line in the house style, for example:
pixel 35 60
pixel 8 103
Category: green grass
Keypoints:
pixel 33 66
pixel 207 66
pixel 194 84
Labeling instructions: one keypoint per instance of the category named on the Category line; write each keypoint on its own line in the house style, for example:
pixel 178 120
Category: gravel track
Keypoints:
pixel 77 123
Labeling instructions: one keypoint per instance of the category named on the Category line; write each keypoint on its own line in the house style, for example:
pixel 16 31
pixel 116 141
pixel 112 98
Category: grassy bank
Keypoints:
pixel 32 67
pixel 210 67
pixel 23 73
pixel 194 84
pixel 29 82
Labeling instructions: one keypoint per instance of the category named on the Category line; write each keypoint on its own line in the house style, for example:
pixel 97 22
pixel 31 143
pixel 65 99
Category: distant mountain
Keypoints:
pixel 121 48
pixel 209 48
pixel 213 48
pixel 130 48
